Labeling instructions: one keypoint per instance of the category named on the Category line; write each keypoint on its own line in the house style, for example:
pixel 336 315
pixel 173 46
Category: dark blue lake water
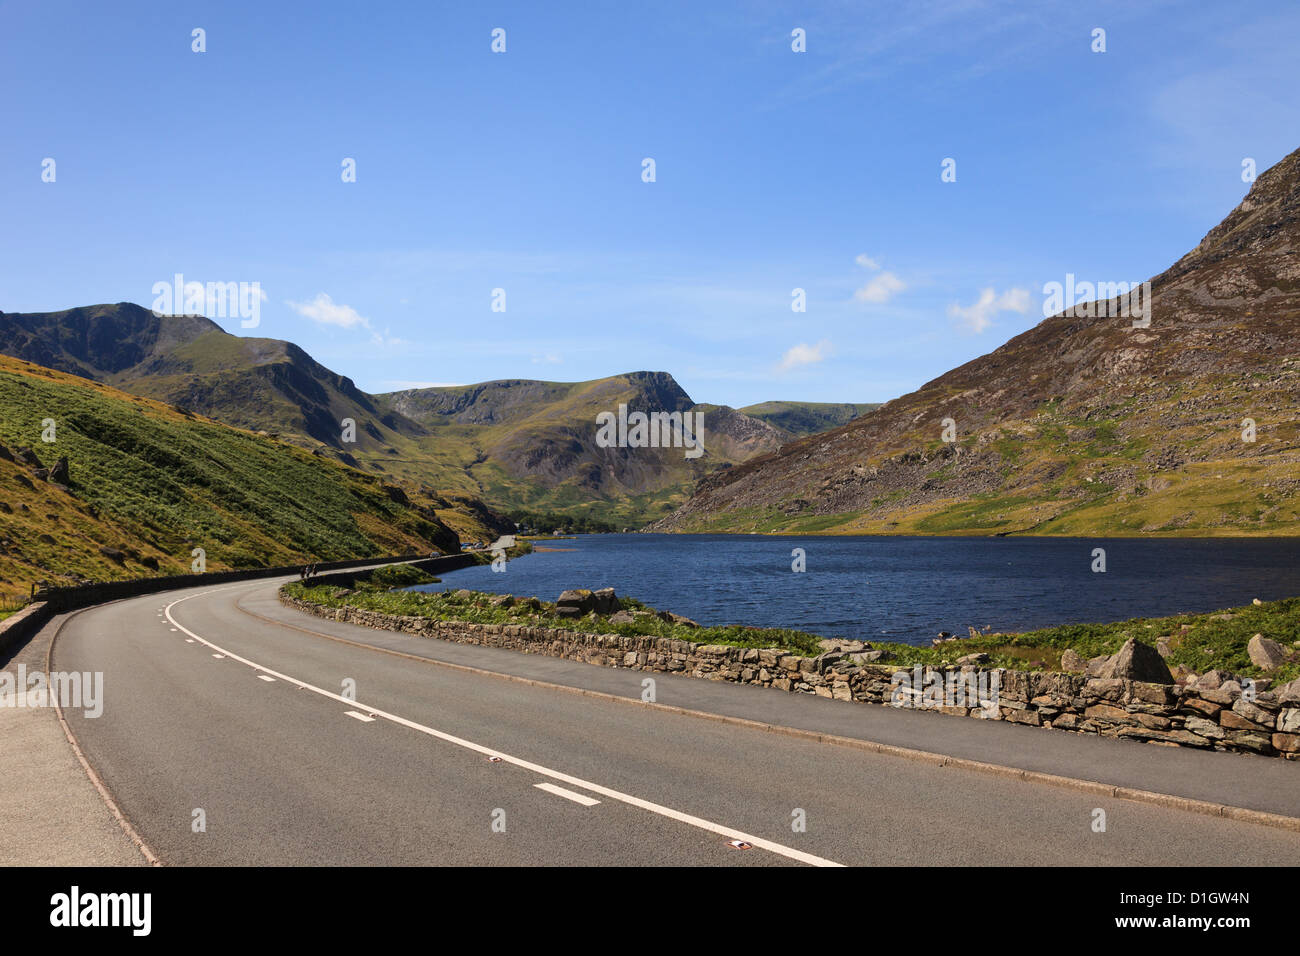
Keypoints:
pixel 904 589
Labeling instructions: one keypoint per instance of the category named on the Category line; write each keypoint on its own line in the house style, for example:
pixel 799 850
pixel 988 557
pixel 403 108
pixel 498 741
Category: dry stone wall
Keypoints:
pixel 1169 714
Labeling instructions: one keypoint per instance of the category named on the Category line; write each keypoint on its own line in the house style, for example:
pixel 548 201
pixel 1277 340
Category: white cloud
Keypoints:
pixel 326 311
pixel 979 316
pixel 805 354
pixel 550 358
pixel 387 339
pixel 880 288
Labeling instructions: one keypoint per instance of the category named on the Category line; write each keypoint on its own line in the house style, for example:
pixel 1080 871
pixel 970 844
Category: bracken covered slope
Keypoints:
pixel 1082 425
pixel 129 487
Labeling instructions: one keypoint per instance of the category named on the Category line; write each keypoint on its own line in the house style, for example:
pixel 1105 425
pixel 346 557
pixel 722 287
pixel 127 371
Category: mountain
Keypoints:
pixel 531 446
pixel 130 487
pixel 1081 425
pixel 798 419
pixel 188 361
pixel 517 444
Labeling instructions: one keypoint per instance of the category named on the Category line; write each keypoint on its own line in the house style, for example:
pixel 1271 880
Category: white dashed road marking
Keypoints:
pixel 353 713
pixel 608 792
pixel 582 798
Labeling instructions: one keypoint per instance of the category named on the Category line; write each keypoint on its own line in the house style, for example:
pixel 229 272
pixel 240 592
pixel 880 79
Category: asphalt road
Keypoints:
pixel 220 700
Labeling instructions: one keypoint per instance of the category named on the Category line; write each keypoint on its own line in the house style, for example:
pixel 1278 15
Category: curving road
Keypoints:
pixel 222 701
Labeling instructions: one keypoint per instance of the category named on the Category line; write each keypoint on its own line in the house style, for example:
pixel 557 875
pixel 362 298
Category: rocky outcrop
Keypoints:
pixel 1136 661
pixel 1264 653
pixel 578 602
pixel 1228 718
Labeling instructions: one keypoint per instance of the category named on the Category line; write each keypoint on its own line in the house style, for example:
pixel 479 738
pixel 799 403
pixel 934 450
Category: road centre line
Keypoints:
pixel 681 817
pixel 582 798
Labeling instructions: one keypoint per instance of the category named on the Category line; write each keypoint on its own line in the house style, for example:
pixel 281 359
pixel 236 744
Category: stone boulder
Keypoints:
pixel 575 603
pixel 1289 693
pixel 1072 663
pixel 622 617
pixel 606 601
pixel 841 644
pixel 1211 680
pixel 1140 662
pixel 59 473
pixel 1264 653
pixel 681 619
pixel 1096 665
pixel 28 457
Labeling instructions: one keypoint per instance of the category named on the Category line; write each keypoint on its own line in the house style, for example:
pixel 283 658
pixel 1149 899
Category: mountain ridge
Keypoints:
pixel 1079 425
pixel 520 444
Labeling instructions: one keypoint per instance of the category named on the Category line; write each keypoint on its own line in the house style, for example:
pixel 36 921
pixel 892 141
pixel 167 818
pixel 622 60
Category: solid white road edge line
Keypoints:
pixel 772 847
pixel 582 798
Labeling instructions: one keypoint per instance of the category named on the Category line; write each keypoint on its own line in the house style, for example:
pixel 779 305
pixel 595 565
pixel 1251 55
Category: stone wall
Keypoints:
pixel 17 629
pixel 1166 714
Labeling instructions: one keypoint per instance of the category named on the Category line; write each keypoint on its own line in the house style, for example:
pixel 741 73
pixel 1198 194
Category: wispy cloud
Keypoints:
pixel 882 287
pixel 979 315
pixel 805 354
pixel 326 311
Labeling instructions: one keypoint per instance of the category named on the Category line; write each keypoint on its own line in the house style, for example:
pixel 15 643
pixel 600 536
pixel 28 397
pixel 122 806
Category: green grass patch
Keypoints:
pixel 476 608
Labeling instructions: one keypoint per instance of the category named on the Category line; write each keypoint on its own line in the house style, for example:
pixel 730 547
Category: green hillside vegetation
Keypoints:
pixel 807 418
pixel 149 483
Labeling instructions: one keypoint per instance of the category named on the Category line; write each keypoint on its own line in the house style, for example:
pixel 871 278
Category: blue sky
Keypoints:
pixel 522 171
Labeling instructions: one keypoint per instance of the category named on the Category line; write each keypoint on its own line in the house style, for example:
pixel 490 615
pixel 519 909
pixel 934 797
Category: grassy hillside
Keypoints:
pixel 148 483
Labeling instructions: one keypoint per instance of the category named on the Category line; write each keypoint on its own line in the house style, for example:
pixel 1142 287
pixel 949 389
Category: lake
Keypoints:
pixel 904 588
